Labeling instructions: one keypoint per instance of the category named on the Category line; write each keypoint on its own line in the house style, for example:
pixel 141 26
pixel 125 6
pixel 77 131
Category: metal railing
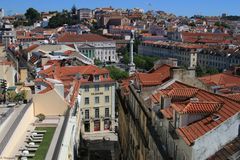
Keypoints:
pixel 12 128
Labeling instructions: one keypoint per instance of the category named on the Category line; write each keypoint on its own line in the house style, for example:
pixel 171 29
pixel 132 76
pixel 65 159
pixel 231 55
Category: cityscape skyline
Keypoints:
pixel 203 7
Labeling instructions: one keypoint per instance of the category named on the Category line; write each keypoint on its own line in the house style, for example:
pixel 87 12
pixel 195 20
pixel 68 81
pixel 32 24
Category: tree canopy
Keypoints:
pixel 208 71
pixel 62 18
pixel 141 61
pixel 116 73
pixel 74 9
pixel 32 15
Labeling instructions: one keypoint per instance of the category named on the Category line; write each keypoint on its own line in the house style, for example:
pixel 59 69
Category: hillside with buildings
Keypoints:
pixel 119 84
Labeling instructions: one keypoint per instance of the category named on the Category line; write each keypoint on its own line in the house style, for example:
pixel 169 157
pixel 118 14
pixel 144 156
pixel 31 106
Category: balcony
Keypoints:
pixel 172 131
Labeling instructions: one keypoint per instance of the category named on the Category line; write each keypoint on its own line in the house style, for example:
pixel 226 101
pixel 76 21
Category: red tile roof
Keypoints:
pixel 190 37
pixel 223 80
pixel 155 77
pixel 234 96
pixel 196 107
pixel 32 47
pixel 70 37
pixel 220 105
pixel 176 44
pixel 75 92
pixel 49 86
pixel 182 92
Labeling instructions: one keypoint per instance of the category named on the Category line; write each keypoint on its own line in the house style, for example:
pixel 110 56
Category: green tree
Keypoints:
pixel 32 15
pixel 136 44
pixel 11 95
pixel 97 62
pixel 74 9
pixel 62 18
pixel 212 71
pixel 222 24
pixel 141 62
pixel 116 73
pixel 199 71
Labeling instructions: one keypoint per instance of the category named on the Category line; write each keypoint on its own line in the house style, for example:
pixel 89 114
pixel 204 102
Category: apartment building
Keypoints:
pixel 8 72
pixel 135 118
pixel 97 90
pixel 113 18
pixel 98 102
pixel 92 45
pixel 193 123
pixel 197 54
pixel 84 13
pixel 172 120
pixel 121 30
pixel 141 114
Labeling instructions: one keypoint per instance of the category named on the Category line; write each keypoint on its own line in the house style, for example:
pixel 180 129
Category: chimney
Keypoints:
pixel 176 73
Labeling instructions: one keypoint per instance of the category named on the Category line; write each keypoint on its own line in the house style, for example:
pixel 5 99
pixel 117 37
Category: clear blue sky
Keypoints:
pixel 179 7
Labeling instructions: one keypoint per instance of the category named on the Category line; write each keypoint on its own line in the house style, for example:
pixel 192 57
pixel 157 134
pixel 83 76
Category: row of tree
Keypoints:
pixel 205 71
pixel 64 17
pixel 12 96
pixel 116 73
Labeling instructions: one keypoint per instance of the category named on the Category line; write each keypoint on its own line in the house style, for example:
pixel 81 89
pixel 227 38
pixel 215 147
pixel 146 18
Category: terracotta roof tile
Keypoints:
pixel 155 77
pixel 32 47
pixel 234 96
pixel 70 37
pixel 197 107
pixel 207 104
pixel 223 80
pixel 49 85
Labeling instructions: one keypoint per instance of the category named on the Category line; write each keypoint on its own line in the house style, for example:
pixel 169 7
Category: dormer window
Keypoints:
pixel 96 78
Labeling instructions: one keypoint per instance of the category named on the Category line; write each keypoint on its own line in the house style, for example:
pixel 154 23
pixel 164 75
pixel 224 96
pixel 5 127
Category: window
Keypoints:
pixel 106 99
pixel 86 100
pixel 86 88
pixel 96 125
pixel 96 112
pixel 38 87
pixel 106 112
pixel 87 114
pixel 96 87
pixel 96 100
pixel 106 87
pixel 96 77
pixel 239 131
pixel 106 124
pixel 87 127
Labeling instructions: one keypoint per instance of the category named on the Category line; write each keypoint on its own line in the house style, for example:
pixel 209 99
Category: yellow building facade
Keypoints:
pixel 98 106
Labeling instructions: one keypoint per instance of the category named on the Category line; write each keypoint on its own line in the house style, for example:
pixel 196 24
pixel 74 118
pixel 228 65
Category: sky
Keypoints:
pixel 178 7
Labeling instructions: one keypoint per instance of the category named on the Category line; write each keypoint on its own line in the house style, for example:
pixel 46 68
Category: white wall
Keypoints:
pixel 214 140
pixel 19 132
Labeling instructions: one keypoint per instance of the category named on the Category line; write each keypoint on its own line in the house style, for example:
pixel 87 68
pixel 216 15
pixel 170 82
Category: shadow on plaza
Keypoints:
pixel 98 150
